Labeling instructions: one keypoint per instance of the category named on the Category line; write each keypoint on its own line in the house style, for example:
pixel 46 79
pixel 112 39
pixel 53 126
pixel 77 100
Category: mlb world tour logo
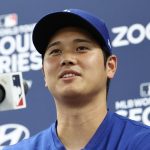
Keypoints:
pixel 17 52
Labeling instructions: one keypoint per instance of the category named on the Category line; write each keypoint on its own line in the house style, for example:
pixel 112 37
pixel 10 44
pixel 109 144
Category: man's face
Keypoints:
pixel 73 65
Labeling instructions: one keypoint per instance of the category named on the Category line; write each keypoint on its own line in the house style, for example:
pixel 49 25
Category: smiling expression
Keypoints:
pixel 73 65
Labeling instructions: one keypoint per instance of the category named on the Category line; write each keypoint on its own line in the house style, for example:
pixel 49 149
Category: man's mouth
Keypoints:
pixel 69 74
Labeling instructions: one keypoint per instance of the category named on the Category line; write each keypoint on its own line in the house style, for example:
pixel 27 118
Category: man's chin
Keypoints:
pixel 71 94
pixel 70 90
pixel 72 99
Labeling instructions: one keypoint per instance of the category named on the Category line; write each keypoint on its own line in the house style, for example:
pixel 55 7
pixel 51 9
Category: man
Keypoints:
pixel 77 66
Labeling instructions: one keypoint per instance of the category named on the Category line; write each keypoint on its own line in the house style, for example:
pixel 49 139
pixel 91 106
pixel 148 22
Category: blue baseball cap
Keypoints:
pixel 51 23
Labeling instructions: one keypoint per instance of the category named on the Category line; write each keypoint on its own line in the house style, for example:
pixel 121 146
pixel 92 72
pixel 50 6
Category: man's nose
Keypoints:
pixel 68 59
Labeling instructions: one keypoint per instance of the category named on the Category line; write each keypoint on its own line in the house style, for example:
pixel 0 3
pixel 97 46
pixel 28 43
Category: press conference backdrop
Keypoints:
pixel 129 27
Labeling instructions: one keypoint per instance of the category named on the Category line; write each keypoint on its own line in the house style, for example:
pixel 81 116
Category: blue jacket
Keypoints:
pixel 115 133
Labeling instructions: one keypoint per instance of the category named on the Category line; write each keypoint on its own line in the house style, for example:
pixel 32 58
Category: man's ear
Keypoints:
pixel 111 66
pixel 44 76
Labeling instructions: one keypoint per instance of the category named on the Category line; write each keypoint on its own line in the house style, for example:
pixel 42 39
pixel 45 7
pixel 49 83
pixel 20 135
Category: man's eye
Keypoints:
pixel 55 52
pixel 82 49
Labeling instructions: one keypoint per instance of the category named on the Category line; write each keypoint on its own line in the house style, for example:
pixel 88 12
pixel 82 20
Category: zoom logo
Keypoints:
pixel 12 133
pixel 134 34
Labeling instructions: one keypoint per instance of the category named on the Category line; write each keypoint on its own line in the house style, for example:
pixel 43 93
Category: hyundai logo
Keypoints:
pixel 12 133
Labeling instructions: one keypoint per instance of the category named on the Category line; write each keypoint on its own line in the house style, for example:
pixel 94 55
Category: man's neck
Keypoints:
pixel 77 126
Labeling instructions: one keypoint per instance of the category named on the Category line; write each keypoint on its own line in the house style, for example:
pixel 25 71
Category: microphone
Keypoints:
pixel 12 91
pixel 3 91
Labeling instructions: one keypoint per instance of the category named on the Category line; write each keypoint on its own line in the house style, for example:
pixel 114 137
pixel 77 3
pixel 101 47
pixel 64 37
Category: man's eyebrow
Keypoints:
pixel 82 40
pixel 75 40
pixel 53 44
